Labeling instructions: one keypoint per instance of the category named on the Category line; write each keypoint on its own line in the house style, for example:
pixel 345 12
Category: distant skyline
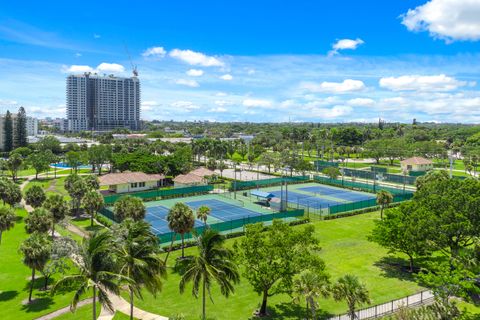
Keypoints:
pixel 259 61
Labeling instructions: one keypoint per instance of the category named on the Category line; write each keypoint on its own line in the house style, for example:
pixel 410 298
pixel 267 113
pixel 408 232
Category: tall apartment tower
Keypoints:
pixel 102 103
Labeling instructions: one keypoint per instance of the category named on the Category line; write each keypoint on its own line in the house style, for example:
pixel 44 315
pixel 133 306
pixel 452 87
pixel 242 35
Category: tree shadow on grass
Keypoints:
pixel 284 310
pixel 8 295
pixel 41 302
pixel 397 267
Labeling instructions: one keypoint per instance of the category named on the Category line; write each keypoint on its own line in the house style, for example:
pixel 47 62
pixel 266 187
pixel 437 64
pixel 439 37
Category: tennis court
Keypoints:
pixel 222 210
pixel 157 217
pixel 338 193
pixel 311 201
pixel 317 196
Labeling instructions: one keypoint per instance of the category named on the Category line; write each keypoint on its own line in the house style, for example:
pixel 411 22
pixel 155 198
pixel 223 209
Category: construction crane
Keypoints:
pixel 134 66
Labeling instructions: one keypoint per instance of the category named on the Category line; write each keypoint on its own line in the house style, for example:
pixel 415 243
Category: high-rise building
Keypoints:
pixel 102 103
pixel 32 126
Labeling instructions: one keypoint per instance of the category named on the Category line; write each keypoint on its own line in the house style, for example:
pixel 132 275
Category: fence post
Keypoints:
pixel 421 297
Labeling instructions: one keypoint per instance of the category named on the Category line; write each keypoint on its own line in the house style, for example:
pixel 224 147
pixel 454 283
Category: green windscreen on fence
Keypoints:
pixel 151 194
pixel 234 224
pixel 359 185
pixel 241 185
pixel 378 169
pixel 344 207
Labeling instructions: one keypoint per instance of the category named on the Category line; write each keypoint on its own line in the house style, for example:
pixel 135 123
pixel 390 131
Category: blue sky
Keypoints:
pixel 322 61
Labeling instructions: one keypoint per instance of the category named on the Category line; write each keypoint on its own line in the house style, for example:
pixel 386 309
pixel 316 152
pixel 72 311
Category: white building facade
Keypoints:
pixel 102 103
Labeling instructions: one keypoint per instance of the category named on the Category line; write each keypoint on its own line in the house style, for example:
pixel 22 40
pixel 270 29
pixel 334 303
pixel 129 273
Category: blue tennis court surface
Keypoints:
pixel 338 193
pixel 306 200
pixel 222 210
pixel 157 215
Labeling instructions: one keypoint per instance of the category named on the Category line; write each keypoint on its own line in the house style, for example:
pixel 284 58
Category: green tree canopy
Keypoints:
pixel 272 258
pixel 35 196
pixel 7 220
pixel 36 251
pixel 180 220
pixel 129 207
pixel 39 220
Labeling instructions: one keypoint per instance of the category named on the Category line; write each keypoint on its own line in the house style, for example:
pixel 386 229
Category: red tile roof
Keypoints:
pixel 416 160
pixel 128 177
pixel 188 178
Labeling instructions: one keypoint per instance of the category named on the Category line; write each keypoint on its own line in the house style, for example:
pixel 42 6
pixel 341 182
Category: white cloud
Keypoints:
pixel 348 85
pixel 196 58
pixel 78 55
pixel 222 103
pixel 361 102
pixel 187 82
pixel 110 67
pixel 226 77
pixel 194 72
pixel 101 68
pixel 260 103
pixel 345 44
pixel 77 69
pixel 446 19
pixel 154 52
pixel 218 109
pixel 221 94
pixel 149 105
pixel 329 113
pixel 439 82
pixel 185 105
pixel 96 36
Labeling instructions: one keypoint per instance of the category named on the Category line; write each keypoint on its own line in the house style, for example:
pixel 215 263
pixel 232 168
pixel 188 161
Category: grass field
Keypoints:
pixel 345 249
pixel 50 186
pixel 15 280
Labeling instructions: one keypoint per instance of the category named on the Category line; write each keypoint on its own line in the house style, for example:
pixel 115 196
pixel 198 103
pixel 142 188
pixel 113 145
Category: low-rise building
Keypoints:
pixel 195 177
pixel 124 182
pixel 416 164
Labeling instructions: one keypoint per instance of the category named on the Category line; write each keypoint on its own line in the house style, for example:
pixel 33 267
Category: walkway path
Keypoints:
pixel 59 312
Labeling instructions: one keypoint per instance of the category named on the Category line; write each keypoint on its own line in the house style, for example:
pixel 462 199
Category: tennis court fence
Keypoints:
pixel 243 185
pixel 225 226
pixel 372 188
pixel 234 225
pixel 161 193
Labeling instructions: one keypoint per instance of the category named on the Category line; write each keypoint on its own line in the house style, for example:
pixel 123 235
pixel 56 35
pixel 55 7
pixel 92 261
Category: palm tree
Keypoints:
pixel 350 289
pixel 310 286
pixel 138 258
pixel 202 213
pixel 7 220
pixel 36 251
pixel 96 271
pixel 213 263
pixel 180 220
pixel 93 202
pixel 384 198
pixel 58 209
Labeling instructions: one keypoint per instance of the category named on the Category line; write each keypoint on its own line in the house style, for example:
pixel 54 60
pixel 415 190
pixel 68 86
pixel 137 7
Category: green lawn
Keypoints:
pixel 14 280
pixel 84 224
pixel 82 313
pixel 345 249
pixel 50 186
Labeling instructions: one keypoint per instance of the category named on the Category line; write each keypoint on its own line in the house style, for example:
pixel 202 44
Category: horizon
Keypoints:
pixel 298 62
